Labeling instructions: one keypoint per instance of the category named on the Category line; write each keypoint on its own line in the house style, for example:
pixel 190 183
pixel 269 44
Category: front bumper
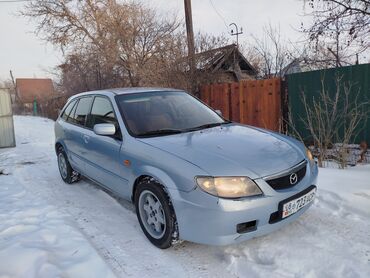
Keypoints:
pixel 206 219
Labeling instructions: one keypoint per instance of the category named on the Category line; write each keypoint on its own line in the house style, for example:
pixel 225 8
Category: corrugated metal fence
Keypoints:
pixel 7 138
pixel 253 102
pixel 310 83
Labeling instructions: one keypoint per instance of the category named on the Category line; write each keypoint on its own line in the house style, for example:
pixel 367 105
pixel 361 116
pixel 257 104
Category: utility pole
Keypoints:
pixel 236 33
pixel 190 37
pixel 16 97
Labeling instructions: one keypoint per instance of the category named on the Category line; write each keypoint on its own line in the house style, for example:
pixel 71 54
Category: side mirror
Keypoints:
pixel 219 112
pixel 105 129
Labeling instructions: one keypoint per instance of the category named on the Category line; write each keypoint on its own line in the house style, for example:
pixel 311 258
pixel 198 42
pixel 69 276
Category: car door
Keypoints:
pixel 103 152
pixel 76 134
pixel 62 129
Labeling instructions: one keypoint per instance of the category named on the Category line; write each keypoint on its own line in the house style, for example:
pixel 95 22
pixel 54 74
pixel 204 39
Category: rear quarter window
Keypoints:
pixel 68 110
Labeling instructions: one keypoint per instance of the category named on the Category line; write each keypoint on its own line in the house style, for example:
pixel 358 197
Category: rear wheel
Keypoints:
pixel 155 214
pixel 66 172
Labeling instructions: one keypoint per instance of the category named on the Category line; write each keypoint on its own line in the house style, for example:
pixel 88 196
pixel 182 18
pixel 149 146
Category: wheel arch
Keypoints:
pixel 150 178
pixel 162 177
pixel 59 144
pixel 136 182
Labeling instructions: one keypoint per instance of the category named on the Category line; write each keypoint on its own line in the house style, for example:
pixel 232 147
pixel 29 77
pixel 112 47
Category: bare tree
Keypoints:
pixel 115 44
pixel 6 84
pixel 273 52
pixel 205 42
pixel 341 25
pixel 323 55
pixel 128 35
pixel 253 57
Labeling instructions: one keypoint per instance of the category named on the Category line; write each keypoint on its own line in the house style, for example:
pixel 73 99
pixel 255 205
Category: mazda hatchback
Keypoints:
pixel 191 174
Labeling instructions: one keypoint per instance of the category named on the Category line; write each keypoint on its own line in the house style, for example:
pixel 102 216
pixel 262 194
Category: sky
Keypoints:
pixel 28 56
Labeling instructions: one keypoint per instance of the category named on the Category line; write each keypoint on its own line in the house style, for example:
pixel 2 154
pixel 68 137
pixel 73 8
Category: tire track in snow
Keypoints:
pixel 112 227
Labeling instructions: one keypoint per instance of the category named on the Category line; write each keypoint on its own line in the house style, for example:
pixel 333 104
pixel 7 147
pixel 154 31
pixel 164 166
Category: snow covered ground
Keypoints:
pixel 48 228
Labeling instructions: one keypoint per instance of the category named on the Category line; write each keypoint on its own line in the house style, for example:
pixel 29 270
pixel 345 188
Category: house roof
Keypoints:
pixel 29 89
pixel 296 65
pixel 219 58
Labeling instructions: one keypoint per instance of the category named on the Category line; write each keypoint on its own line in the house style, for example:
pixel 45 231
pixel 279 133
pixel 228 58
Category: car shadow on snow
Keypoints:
pixel 123 202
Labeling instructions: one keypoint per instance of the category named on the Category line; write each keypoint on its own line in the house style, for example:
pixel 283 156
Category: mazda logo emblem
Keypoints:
pixel 293 178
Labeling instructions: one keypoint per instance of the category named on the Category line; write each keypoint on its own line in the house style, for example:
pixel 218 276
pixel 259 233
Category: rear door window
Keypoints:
pixel 81 111
pixel 71 115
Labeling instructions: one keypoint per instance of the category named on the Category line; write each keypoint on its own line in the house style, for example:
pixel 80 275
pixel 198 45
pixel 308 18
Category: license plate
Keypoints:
pixel 295 205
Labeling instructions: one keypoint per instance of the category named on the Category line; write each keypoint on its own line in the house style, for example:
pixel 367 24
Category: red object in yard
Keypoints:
pixel 29 89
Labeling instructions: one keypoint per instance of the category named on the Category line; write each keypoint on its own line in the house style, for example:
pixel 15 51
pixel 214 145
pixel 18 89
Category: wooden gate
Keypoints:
pixel 252 102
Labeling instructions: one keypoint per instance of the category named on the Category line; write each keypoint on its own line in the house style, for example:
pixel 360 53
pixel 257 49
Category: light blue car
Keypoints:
pixel 191 174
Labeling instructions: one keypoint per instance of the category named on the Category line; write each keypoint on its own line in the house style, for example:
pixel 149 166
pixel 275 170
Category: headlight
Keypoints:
pixel 309 155
pixel 229 187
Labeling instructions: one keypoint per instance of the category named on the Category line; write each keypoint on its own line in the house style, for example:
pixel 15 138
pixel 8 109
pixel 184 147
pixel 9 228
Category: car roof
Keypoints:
pixel 122 91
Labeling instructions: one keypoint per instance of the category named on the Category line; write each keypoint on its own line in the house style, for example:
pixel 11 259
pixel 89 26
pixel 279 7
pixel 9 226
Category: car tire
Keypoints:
pixel 155 214
pixel 66 172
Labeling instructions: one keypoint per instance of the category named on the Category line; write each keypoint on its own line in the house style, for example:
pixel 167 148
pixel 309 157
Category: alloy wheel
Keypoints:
pixel 62 165
pixel 152 214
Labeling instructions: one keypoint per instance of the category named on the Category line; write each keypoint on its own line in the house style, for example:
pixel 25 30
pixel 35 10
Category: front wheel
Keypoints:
pixel 155 214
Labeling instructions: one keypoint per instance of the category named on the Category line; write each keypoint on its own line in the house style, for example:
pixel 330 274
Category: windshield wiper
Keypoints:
pixel 164 131
pixel 208 126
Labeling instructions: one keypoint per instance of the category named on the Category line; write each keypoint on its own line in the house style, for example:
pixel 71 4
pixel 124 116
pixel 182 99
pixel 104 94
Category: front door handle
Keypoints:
pixel 86 139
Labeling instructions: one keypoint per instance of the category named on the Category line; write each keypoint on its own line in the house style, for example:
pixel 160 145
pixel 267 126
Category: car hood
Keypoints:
pixel 231 149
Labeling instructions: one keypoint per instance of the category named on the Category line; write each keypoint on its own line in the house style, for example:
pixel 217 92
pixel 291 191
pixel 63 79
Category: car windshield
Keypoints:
pixel 163 113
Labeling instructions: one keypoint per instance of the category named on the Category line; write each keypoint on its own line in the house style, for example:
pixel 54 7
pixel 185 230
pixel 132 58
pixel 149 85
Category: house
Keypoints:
pixel 295 66
pixel 30 89
pixel 224 64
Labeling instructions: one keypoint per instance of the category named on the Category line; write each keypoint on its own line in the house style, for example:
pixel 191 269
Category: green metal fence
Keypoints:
pixel 310 83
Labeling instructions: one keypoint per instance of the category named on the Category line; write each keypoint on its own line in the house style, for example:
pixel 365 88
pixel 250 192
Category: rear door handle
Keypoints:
pixel 86 139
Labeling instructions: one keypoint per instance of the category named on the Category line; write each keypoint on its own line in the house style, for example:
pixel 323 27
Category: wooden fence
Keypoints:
pixel 252 102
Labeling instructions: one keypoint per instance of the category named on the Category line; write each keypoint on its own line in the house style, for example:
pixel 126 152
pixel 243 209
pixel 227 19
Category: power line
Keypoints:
pixel 219 14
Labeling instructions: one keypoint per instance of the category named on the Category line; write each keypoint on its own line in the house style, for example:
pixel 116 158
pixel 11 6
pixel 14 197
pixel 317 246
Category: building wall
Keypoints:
pixel 222 77
pixel 7 137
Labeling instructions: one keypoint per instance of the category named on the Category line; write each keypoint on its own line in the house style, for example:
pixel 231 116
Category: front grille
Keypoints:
pixel 284 181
